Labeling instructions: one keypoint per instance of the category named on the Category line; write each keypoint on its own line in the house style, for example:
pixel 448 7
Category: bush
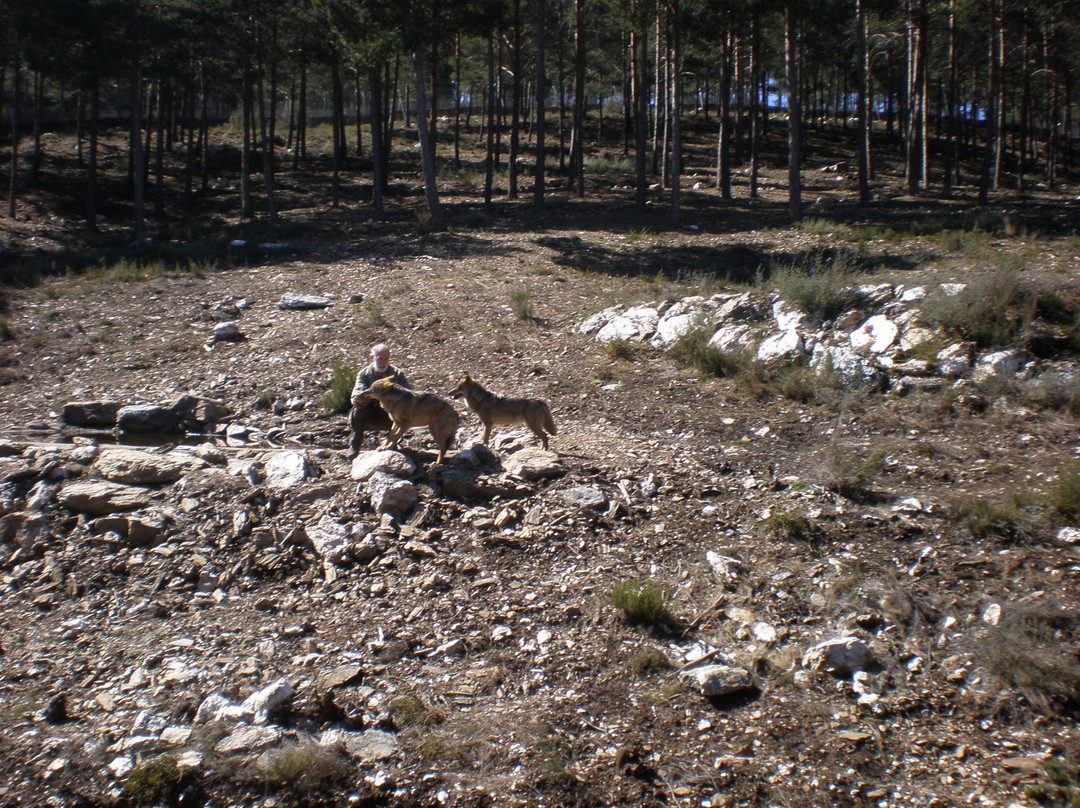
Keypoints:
pixel 410 711
pixel 157 781
pixel 1051 391
pixel 988 311
pixel 971 243
pixel 1060 784
pixel 643 601
pixel 849 473
pixel 693 350
pixel 376 318
pixel 305 768
pixel 801 384
pixel 621 350
pixel 1029 650
pixel 607 163
pixel 1016 519
pixel 339 399
pixel 1064 494
pixel 521 303
pixel 788 526
pixel 822 285
pixel 651 660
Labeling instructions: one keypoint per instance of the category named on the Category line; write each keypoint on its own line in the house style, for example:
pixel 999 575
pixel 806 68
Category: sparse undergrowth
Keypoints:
pixel 342 378
pixel 643 601
pixel 1033 651
pixel 823 285
pixel 1018 518
pixel 547 697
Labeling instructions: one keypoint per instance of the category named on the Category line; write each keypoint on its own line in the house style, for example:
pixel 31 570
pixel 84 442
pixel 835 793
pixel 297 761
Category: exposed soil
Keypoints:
pixel 575 706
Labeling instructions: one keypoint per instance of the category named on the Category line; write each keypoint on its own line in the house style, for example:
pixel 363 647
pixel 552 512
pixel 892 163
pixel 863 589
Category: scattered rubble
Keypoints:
pixel 237 587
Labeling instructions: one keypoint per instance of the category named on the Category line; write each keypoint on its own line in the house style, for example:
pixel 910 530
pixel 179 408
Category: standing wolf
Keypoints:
pixel 493 410
pixel 408 409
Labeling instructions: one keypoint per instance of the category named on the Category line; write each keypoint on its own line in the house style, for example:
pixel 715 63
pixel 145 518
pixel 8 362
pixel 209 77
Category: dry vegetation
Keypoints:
pixel 794 476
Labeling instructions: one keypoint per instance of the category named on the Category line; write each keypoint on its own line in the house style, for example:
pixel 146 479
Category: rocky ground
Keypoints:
pixel 227 619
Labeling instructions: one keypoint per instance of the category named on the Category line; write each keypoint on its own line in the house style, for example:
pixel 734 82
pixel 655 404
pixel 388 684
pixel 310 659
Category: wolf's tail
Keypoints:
pixel 549 422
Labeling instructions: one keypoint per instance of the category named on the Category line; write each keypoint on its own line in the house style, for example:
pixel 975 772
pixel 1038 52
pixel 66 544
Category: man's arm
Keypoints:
pixel 362 383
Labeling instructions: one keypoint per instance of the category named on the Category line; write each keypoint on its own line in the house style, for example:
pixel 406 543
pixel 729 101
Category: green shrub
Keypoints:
pixel 155 782
pixel 265 400
pixel 1064 494
pixel 410 711
pixel 1051 391
pixel 693 350
pixel 971 243
pixel 342 379
pixel 521 303
pixel 375 315
pixel 849 473
pixel 304 768
pixel 607 163
pixel 988 311
pixel 133 270
pixel 927 351
pixel 788 526
pixel 1017 518
pixel 824 284
pixel 1060 784
pixel 651 660
pixel 1028 651
pixel 800 383
pixel 643 601
pixel 823 227
pixel 621 350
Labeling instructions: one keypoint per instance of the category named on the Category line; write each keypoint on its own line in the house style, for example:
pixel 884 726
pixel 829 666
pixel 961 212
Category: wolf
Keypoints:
pixel 495 410
pixel 408 409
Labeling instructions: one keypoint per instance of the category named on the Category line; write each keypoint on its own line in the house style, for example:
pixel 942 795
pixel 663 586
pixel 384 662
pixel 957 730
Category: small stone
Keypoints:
pixel 717 681
pixel 1069 535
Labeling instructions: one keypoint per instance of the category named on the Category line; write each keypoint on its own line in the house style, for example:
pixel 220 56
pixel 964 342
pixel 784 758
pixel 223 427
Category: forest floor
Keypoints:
pixel 571 705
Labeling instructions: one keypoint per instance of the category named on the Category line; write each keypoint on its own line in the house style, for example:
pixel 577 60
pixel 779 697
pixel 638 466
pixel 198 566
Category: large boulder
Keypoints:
pixel 785 346
pixel 633 325
pixel 840 656
pixel 147 418
pixel 90 413
pixel 331 539
pixel 285 470
pixel 365 464
pixel 733 338
pixel 137 467
pixel 390 494
pixel 292 301
pixel 100 497
pixel 875 336
pixel 718 681
pixel 533 463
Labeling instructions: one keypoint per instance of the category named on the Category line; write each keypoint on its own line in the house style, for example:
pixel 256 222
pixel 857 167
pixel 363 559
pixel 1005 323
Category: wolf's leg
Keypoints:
pixel 393 437
pixel 537 428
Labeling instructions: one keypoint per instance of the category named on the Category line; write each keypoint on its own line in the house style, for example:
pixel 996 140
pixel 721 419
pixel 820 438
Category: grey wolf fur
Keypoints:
pixel 408 409
pixel 494 410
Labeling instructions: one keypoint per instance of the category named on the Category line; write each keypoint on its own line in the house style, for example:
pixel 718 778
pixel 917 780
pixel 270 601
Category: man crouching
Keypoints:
pixel 369 415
